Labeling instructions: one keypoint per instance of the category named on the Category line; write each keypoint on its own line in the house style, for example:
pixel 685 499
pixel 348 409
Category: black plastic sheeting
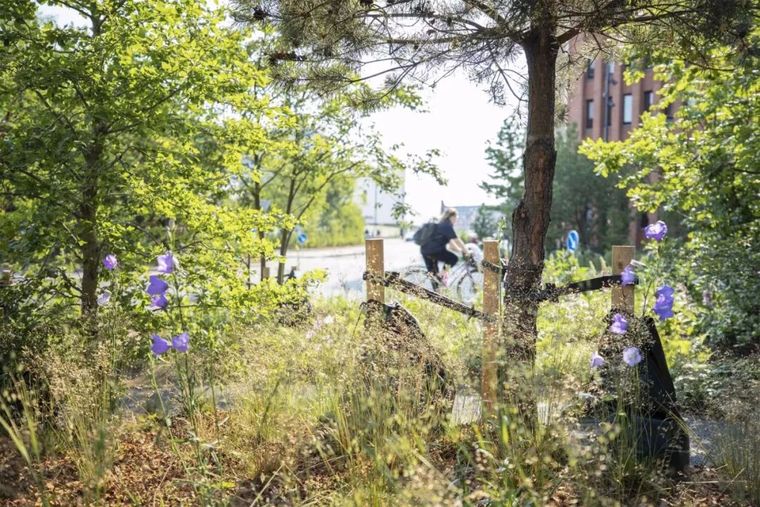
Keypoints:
pixel 655 421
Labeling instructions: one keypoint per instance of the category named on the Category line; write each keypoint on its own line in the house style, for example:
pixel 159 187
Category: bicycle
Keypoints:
pixel 466 278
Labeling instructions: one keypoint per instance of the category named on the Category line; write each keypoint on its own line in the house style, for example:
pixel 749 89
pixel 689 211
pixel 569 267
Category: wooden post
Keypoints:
pixel 622 297
pixel 491 300
pixel 265 274
pixel 373 249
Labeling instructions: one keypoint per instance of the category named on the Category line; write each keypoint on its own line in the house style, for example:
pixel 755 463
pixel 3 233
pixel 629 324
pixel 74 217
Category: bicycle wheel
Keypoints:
pixel 470 286
pixel 417 275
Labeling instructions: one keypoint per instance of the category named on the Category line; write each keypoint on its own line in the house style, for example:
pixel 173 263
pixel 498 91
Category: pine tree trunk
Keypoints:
pixel 530 220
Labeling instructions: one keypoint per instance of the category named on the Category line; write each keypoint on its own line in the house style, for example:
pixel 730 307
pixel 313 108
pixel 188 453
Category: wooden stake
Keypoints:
pixel 491 300
pixel 375 266
pixel 622 297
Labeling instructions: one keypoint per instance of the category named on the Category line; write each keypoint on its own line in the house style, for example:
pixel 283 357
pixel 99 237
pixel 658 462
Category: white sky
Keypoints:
pixel 459 122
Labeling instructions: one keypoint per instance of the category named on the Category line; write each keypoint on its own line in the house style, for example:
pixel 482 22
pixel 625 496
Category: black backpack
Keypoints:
pixel 424 233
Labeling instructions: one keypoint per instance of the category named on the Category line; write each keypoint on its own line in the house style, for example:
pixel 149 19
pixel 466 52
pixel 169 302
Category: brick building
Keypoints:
pixel 614 118
pixel 603 106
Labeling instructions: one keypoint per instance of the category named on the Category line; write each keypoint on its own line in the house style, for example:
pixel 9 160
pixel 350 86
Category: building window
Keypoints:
pixel 589 114
pixel 627 109
pixel 611 68
pixel 669 112
pixel 610 105
pixel 648 100
pixel 590 70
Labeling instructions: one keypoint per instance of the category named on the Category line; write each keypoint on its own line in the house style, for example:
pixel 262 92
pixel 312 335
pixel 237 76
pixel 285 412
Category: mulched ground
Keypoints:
pixel 146 471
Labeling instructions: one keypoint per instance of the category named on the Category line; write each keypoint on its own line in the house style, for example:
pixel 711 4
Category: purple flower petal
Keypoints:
pixel 158 302
pixel 104 298
pixel 166 263
pixel 110 262
pixel 663 303
pixel 181 342
pixel 597 361
pixel 156 286
pixel 656 231
pixel 665 290
pixel 627 277
pixel 664 312
pixel 619 324
pixel 632 356
pixel 160 345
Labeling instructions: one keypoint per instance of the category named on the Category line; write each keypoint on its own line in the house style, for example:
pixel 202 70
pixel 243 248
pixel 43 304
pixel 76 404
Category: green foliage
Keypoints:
pixel 337 226
pixel 703 167
pixel 485 225
pixel 110 136
pixel 319 399
pixel 584 201
pixel 122 137
pixel 505 158
pixel 722 388
pixel 570 328
pixel 315 148
pixel 567 332
pixel 581 199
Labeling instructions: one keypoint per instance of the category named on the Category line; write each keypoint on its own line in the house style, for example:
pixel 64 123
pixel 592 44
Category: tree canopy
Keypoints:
pixel 109 131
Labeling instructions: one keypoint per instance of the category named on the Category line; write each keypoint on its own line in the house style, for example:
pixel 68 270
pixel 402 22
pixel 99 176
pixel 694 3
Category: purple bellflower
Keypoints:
pixel 158 302
pixel 181 342
pixel 663 303
pixel 628 277
pixel 632 356
pixel 104 298
pixel 166 263
pixel 597 361
pixel 619 324
pixel 110 262
pixel 160 345
pixel 156 286
pixel 656 231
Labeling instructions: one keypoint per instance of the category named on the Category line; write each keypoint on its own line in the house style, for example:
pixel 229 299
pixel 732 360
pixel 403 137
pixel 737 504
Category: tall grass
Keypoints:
pixel 83 395
pixel 22 426
pixel 78 382
pixel 333 413
pixel 330 412
pixel 739 457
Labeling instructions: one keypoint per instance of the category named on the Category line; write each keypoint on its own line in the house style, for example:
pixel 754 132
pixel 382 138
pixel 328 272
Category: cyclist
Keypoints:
pixel 435 250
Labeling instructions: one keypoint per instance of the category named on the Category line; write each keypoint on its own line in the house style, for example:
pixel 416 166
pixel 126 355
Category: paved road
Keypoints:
pixel 345 265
